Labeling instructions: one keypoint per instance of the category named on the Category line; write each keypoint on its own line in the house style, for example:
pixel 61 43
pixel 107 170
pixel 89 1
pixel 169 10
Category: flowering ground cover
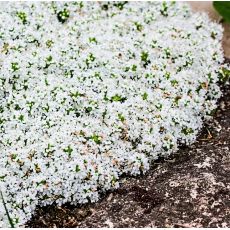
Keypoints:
pixel 189 188
pixel 92 91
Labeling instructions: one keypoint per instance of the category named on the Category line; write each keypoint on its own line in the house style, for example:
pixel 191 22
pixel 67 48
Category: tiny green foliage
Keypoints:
pixel 145 96
pixel 134 68
pixel 145 58
pixel 164 9
pixel 224 75
pixel 68 150
pixel 139 27
pixel 22 17
pixel 14 66
pixel 120 5
pixel 96 138
pixel 93 40
pixel 105 7
pixel 63 15
pixel 21 118
pixel 121 117
pixel 77 169
pixel 118 98
pixel 88 109
pixel 223 8
pixel 49 43
pixel 187 130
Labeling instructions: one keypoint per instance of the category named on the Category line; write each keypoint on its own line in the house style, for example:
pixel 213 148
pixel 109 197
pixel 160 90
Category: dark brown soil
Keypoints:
pixel 190 189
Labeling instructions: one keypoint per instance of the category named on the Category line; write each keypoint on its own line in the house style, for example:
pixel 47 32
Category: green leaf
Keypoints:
pixel 139 27
pixel 77 169
pixel 118 98
pixel 145 96
pixel 223 8
pixel 96 139
pixel 21 118
pixel 14 66
pixel 224 75
pixel 22 17
pixel 68 150
pixel 121 117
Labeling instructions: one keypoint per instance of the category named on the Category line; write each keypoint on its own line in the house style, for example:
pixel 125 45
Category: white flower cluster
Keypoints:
pixel 90 91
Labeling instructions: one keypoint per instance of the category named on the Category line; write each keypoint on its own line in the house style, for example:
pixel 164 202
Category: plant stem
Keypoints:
pixel 7 213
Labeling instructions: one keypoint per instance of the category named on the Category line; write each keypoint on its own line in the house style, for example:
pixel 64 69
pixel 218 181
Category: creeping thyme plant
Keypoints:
pixel 90 91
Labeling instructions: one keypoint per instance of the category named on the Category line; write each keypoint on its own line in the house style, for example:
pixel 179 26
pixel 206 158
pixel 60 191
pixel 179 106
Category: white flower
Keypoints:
pixel 91 92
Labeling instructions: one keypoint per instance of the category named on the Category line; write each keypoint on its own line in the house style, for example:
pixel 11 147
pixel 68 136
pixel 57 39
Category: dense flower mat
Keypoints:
pixel 90 91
